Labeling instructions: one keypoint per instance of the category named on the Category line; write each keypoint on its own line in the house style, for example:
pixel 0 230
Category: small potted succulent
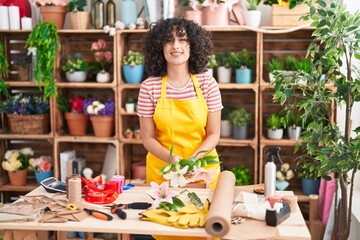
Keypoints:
pixel 75 68
pixel 76 120
pixel 137 134
pixel 290 63
pixel 224 64
pixel 243 63
pixel 101 115
pixel 211 65
pixel 130 105
pixel 293 123
pixel 133 67
pixel 240 119
pixel 128 133
pixel 275 124
pixel 226 127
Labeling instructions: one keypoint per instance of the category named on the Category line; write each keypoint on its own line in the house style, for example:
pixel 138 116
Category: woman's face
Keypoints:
pixel 177 50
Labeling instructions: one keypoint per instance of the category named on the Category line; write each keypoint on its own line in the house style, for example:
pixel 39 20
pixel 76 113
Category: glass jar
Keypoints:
pixel 110 13
pixel 98 14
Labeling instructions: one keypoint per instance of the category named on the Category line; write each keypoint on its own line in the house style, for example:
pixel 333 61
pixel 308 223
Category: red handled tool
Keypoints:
pixel 118 211
pixel 98 214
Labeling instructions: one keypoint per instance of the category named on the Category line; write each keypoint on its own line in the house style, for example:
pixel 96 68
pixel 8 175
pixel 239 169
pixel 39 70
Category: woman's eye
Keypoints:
pixel 183 39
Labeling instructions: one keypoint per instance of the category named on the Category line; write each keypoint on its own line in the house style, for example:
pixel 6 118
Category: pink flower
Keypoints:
pixel 99 56
pixel 201 174
pixel 108 56
pixel 160 193
pixel 95 46
pixel 101 44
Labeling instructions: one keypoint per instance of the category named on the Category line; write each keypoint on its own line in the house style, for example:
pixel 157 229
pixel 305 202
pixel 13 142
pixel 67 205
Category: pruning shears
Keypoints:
pixel 118 208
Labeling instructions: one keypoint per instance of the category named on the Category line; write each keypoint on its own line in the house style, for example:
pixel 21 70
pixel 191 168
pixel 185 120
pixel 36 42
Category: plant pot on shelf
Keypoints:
pixel 218 16
pixel 240 132
pixel 76 76
pixel 194 15
pixel 130 107
pixel 253 18
pixel 243 75
pixel 54 14
pixel 133 74
pixel 138 170
pixel 225 128
pixel 275 133
pixel 103 77
pixel 310 186
pixel 103 125
pixel 40 176
pixel 282 16
pixel 18 178
pixel 294 132
pixel 224 74
pixel 29 124
pixel 80 20
pixel 77 123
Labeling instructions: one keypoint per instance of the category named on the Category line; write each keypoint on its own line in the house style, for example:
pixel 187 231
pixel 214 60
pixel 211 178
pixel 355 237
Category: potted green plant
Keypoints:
pixel 294 125
pixel 130 105
pixel 211 65
pixel 225 127
pixel 45 39
pixel 274 124
pixel 253 15
pixel 274 64
pixel 243 175
pixel 75 68
pixel 133 67
pixel 103 60
pixel 336 37
pixel 79 18
pixel 240 119
pixel 243 63
pixel 3 71
pixel 224 67
pixel 72 108
pixel 307 169
pixel 290 63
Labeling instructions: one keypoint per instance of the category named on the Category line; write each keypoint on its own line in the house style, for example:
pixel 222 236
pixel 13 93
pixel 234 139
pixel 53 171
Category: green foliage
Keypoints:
pixel 307 167
pixel 131 100
pixel 243 175
pixel 3 71
pixel 274 64
pixel 77 5
pixel 223 59
pixel 212 61
pixel 44 38
pixel 290 63
pixel 304 65
pixel 292 3
pixel 253 4
pixel 242 59
pixel 75 63
pixel 133 58
pixel 274 121
pixel 63 103
pixel 293 119
pixel 240 117
pixel 225 113
pixel 336 44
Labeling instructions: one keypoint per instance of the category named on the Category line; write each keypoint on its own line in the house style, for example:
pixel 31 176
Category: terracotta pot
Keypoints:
pixel 219 16
pixel 80 20
pixel 103 125
pixel 77 123
pixel 195 16
pixel 54 14
pixel 18 178
pixel 138 170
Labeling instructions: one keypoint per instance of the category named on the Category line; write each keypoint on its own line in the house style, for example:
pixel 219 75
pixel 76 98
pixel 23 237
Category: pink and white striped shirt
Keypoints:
pixel 151 88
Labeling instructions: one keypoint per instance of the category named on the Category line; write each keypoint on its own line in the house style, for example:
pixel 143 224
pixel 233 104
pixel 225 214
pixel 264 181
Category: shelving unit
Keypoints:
pixel 255 97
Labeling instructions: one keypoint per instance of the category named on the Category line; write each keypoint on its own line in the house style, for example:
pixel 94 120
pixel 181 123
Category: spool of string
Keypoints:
pixel 74 190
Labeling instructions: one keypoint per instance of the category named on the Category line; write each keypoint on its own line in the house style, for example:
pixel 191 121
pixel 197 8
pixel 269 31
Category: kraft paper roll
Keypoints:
pixel 4 18
pixel 219 216
pixel 14 17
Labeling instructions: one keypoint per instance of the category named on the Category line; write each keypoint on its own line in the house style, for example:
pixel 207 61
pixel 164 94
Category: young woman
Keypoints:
pixel 179 104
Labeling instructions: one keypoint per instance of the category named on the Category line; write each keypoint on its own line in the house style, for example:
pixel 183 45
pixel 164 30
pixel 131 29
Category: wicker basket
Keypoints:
pixel 29 124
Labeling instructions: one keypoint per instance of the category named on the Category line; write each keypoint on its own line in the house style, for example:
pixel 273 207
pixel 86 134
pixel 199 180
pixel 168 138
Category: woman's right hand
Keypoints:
pixel 176 158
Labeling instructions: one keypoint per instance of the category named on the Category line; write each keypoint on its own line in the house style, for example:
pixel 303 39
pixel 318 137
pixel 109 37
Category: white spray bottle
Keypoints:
pixel 270 170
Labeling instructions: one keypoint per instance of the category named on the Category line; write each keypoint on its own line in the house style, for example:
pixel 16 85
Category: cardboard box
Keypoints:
pixel 282 16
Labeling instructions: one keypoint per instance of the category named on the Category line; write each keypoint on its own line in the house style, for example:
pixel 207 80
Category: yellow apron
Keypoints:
pixel 180 123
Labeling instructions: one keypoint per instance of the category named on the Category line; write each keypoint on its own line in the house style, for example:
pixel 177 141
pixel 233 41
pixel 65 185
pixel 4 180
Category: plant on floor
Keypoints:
pixel 336 44
pixel 45 39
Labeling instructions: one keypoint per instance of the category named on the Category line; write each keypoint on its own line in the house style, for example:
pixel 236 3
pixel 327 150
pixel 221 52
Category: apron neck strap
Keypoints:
pixel 195 82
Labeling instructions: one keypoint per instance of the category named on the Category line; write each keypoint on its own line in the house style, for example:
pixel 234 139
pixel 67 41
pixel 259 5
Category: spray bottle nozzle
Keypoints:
pixel 271 153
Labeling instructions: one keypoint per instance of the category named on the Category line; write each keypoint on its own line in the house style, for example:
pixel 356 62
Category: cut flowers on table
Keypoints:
pixel 17 159
pixel 290 3
pixel 188 170
pixel 41 164
pixel 39 3
pixel 284 173
pixel 103 57
pixel 25 105
pixel 73 105
pixel 93 106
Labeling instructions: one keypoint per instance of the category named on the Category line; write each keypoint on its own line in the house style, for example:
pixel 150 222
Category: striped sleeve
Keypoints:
pixel 146 101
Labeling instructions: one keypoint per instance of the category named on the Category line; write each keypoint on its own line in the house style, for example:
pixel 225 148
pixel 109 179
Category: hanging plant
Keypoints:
pixel 3 71
pixel 45 39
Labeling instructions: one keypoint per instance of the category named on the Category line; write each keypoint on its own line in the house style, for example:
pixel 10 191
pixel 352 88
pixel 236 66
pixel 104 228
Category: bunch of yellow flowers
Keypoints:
pixel 17 159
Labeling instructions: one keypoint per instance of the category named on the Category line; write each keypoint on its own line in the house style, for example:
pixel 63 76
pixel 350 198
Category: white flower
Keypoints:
pixel 27 151
pixel 119 25
pixel 98 108
pixel 177 177
pixel 8 154
pixel 279 175
pixel 106 28
pixel 90 109
pixel 285 167
pixel 289 174
pixel 132 26
pixel 112 31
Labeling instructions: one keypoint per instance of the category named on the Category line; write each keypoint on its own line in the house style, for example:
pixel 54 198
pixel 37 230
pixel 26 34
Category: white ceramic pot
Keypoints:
pixel 103 77
pixel 210 72
pixel 275 133
pixel 223 74
pixel 253 18
pixel 130 107
pixel 225 129
pixel 294 132
pixel 77 76
pixel 271 77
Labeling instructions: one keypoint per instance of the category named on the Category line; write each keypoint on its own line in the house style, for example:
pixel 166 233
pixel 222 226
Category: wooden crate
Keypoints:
pixel 282 16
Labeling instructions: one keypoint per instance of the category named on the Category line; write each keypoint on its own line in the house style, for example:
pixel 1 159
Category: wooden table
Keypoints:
pixel 292 228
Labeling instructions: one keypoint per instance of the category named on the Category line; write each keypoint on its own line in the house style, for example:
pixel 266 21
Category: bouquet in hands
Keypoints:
pixel 189 170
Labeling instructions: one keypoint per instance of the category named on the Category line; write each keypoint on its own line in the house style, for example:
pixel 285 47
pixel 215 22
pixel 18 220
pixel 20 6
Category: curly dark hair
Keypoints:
pixel 161 32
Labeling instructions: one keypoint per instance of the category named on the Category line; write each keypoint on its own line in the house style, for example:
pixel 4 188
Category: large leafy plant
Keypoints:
pixel 3 71
pixel 336 44
pixel 44 38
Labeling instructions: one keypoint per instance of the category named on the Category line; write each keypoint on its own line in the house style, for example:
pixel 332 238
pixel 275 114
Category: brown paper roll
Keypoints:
pixel 219 216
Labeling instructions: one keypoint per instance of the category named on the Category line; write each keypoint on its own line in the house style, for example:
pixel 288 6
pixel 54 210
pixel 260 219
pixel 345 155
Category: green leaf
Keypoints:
pixel 178 202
